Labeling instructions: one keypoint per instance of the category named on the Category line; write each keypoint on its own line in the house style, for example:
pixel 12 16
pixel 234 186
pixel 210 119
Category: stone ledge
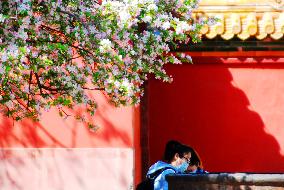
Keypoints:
pixel 230 181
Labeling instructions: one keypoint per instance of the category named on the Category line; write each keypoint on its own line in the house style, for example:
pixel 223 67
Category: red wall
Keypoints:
pixel 232 114
pixel 59 153
pixel 115 129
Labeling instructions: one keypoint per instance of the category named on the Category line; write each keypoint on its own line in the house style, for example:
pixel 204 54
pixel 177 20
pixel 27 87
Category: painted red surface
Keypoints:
pixel 232 113
pixel 115 129
pixel 89 160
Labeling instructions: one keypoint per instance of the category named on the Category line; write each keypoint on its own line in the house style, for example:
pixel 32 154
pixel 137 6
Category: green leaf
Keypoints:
pixel 8 68
pixel 66 102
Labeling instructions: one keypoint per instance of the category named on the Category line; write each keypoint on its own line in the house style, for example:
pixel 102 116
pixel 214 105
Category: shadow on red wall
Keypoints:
pixel 68 150
pixel 115 129
pixel 204 109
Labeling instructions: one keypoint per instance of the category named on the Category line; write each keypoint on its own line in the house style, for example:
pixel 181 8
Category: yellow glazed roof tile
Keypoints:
pixel 243 18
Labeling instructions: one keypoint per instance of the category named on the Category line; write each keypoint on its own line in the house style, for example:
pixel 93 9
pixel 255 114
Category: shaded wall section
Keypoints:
pixel 59 153
pixel 232 114
pixel 65 169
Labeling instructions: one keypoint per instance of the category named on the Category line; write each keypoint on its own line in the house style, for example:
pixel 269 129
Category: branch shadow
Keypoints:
pixel 28 137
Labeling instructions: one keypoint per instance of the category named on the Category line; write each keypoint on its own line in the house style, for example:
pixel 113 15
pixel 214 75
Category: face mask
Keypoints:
pixel 182 168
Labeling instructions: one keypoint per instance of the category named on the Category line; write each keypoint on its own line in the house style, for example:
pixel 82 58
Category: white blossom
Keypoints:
pixel 166 25
pixel 2 18
pixel 4 56
pixel 153 7
pixel 124 16
pixel 147 18
pixel 105 45
pixel 182 26
pixel 111 46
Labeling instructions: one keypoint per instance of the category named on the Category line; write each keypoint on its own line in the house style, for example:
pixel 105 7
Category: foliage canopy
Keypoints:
pixel 53 52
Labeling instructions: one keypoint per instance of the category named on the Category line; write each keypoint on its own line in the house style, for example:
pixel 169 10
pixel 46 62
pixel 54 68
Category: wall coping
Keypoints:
pixel 259 179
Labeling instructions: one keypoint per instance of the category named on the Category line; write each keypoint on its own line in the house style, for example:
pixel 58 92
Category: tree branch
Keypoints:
pixel 86 88
pixel 38 83
pixel 60 42
pixel 19 100
pixel 30 81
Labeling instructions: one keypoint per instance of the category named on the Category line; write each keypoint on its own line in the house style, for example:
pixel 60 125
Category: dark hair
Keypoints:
pixel 173 147
pixel 195 160
pixel 187 149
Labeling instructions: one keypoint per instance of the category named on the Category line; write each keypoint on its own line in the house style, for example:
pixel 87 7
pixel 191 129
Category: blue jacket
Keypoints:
pixel 160 182
pixel 199 171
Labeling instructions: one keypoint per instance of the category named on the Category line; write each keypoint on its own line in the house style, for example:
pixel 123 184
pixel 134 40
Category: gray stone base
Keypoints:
pixel 226 181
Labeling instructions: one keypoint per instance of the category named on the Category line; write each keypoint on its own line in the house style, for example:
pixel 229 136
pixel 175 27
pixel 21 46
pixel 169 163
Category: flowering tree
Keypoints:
pixel 52 52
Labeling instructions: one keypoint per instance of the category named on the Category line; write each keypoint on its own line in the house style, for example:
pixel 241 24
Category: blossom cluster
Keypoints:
pixel 52 52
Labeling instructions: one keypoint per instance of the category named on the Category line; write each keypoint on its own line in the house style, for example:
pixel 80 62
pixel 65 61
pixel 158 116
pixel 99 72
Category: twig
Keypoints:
pixel 30 80
pixel 38 83
pixel 86 88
